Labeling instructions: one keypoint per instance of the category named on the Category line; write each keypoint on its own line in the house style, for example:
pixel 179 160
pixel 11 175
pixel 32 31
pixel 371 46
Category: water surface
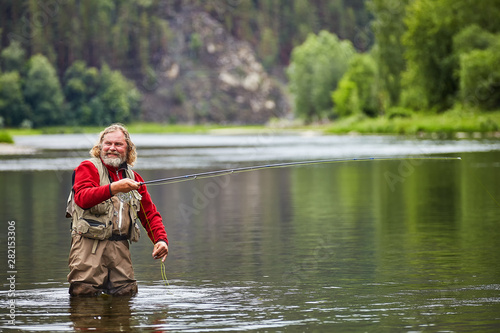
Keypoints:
pixel 402 245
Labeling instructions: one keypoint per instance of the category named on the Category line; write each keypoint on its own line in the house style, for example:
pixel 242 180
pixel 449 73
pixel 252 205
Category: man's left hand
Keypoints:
pixel 160 250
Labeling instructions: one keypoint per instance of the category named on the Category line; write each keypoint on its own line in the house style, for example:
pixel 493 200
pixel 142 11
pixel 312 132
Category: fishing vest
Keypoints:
pixel 115 218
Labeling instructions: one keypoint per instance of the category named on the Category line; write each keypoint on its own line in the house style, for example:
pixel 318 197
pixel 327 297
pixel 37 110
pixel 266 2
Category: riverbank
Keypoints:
pixel 452 124
pixel 13 149
pixel 455 124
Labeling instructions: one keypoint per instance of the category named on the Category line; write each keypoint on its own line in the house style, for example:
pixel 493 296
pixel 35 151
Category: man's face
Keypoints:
pixel 114 149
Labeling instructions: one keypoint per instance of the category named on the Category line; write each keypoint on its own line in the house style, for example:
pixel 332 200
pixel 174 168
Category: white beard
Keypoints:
pixel 112 161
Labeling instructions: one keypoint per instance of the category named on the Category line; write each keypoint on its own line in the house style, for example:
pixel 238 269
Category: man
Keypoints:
pixel 106 201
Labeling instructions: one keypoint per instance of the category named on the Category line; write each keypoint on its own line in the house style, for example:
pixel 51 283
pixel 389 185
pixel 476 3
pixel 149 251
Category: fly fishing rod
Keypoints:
pixel 218 173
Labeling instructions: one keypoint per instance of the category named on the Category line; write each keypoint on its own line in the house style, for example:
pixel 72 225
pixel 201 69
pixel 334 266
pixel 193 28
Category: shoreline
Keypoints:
pixel 455 124
pixel 11 149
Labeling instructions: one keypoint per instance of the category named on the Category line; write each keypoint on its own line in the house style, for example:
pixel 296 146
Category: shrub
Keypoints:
pixel 399 112
pixel 346 98
pixel 480 78
pixel 357 90
pixel 6 137
pixel 315 69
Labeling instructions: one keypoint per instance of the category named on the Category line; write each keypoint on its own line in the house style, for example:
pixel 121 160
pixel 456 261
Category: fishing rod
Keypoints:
pixel 210 174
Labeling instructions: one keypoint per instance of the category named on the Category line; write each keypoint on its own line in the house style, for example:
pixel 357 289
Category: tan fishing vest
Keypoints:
pixel 115 218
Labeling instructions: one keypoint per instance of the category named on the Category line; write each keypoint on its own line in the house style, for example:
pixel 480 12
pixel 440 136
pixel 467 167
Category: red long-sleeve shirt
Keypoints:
pixel 89 193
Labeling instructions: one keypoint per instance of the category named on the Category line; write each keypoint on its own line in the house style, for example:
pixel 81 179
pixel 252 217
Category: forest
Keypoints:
pixel 78 62
pixel 427 56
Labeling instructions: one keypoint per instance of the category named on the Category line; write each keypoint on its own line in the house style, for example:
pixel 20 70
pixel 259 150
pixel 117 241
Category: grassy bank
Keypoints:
pixel 455 123
pixel 138 127
pixel 450 124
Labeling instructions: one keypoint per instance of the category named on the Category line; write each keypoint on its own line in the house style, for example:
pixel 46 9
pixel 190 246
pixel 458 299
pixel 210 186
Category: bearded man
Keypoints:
pixel 106 204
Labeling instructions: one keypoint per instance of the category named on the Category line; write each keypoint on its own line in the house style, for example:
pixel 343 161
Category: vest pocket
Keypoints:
pixel 93 229
pixel 101 209
pixel 135 231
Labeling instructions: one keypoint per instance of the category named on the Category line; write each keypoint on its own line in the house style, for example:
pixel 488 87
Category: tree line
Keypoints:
pixel 427 55
pixel 84 43
pixel 71 61
pixel 276 27
pixel 31 94
pixel 76 62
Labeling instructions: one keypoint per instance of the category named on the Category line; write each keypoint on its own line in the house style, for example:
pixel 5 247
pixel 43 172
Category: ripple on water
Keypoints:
pixel 178 307
pixel 187 306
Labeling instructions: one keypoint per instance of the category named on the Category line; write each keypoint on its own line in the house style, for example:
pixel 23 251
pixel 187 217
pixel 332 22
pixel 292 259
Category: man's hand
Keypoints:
pixel 160 250
pixel 124 185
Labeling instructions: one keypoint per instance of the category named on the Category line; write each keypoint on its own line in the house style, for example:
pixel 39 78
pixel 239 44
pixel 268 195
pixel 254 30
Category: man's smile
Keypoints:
pixel 112 154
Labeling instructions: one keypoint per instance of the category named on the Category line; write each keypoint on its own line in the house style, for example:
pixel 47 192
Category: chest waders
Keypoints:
pixel 113 219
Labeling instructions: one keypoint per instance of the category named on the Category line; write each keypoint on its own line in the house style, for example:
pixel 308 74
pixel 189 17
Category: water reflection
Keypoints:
pixel 215 306
pixel 376 246
pixel 65 152
pixel 100 313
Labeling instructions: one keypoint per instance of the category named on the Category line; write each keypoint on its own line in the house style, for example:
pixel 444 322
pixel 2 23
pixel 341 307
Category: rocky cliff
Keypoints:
pixel 209 76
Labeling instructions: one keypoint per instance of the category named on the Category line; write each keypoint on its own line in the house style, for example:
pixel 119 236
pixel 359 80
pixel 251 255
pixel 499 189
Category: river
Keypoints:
pixel 396 245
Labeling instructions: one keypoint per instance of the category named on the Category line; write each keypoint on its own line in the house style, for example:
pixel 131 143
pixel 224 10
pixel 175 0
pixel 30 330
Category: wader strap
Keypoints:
pixel 94 247
pixel 115 237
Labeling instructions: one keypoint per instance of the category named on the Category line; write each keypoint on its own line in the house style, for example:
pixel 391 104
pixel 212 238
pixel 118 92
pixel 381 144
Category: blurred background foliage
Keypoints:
pixel 78 62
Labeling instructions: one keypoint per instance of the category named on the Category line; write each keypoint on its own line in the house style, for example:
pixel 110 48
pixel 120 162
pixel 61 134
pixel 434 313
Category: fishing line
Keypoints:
pixel 491 195
pixel 484 186
pixel 163 270
pixel 218 173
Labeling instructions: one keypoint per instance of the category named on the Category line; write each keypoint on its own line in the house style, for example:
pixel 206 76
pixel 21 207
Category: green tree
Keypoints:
pixel 290 21
pixel 428 42
pixel 99 97
pixel 388 28
pixel 480 77
pixel 477 51
pixel 39 28
pixel 357 90
pixel 13 108
pixel 430 80
pixel 43 92
pixel 81 84
pixel 346 98
pixel 472 37
pixel 118 97
pixel 314 72
pixel 13 57
pixel 268 48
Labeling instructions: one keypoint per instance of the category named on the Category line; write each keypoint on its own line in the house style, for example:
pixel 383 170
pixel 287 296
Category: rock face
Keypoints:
pixel 208 76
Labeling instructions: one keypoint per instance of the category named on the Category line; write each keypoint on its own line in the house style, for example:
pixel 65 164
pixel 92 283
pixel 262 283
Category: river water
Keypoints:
pixel 401 245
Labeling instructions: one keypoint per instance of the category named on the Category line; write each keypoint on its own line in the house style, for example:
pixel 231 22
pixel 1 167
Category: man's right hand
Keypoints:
pixel 124 185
